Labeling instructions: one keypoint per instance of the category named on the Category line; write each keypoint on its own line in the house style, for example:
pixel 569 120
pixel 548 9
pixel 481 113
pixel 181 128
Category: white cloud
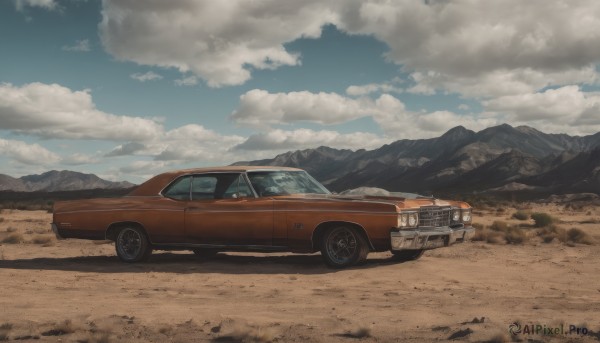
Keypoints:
pixel 79 46
pixel 77 159
pixel 187 81
pixel 472 47
pixel 31 154
pixel 190 142
pixel 147 76
pixel 386 87
pixel 259 108
pixel 566 109
pixel 47 4
pixel 219 41
pixel 54 111
pixel 281 140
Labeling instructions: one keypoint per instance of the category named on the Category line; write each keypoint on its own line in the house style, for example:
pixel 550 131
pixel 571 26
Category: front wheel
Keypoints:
pixel 407 255
pixel 343 247
pixel 132 245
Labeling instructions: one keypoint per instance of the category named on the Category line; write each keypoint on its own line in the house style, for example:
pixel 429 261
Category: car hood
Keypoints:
pixel 398 201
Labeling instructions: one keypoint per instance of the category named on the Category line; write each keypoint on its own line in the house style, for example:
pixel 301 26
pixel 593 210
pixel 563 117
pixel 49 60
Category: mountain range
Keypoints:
pixel 496 159
pixel 54 180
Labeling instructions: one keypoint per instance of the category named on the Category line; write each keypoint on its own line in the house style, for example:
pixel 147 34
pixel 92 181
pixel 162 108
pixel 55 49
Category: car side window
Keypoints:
pixel 180 189
pixel 203 186
pixel 239 188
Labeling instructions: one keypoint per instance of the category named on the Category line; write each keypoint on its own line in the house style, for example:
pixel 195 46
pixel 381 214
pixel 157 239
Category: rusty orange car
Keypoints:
pixel 266 209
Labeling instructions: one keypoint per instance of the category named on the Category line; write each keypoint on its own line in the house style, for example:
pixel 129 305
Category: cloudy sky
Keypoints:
pixel 126 89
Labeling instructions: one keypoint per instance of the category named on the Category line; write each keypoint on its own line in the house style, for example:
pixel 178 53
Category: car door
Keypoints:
pixel 224 211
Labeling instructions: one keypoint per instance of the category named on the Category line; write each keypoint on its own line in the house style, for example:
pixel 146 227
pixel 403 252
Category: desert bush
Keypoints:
pixel 495 237
pixel 499 225
pixel 4 331
pixel 42 239
pixel 515 235
pixel 542 219
pixel 1 219
pixel 478 226
pixel 11 229
pixel 13 238
pixel 548 234
pixel 579 236
pixel 480 235
pixel 489 236
pixel 520 215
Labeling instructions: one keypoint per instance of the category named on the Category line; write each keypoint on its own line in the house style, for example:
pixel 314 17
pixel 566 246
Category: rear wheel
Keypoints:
pixel 132 245
pixel 343 247
pixel 407 255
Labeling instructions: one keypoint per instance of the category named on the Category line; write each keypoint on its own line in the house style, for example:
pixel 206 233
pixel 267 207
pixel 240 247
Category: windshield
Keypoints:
pixel 269 183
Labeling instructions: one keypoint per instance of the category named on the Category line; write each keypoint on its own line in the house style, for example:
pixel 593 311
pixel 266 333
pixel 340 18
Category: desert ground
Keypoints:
pixel 78 291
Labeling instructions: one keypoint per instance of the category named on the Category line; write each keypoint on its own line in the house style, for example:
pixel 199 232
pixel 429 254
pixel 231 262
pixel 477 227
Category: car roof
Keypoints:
pixel 159 182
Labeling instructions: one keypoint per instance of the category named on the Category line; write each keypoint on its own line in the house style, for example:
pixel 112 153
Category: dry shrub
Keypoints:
pixel 244 332
pixel 39 230
pixel 1 219
pixel 4 331
pixel 11 229
pixel 501 232
pixel 360 332
pixel 499 338
pixel 499 225
pixel 515 235
pixel 13 238
pixel 42 239
pixel 542 219
pixel 489 236
pixel 478 226
pixel 548 234
pixel 63 328
pixel 521 215
pixel 579 236
pixel 95 337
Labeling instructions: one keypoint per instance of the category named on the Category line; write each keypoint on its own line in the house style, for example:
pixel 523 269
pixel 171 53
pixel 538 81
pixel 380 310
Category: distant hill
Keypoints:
pixel 461 160
pixel 54 181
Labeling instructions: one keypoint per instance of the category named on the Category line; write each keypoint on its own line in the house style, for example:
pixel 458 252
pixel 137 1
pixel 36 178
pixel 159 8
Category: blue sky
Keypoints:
pixel 127 89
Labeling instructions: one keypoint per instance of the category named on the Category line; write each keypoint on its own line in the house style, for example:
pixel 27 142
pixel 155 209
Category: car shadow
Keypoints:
pixel 222 263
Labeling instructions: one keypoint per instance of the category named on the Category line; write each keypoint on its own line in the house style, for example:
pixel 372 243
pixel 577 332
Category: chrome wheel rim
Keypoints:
pixel 129 243
pixel 341 245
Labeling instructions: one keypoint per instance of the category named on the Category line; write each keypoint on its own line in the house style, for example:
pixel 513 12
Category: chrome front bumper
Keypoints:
pixel 430 238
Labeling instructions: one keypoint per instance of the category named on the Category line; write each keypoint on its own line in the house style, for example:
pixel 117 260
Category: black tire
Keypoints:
pixel 343 246
pixel 132 245
pixel 206 253
pixel 407 255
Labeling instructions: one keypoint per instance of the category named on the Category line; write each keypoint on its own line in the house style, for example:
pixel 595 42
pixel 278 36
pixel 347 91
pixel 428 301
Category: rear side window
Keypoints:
pixel 179 189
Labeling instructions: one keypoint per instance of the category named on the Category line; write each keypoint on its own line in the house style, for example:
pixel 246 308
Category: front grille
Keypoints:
pixel 435 216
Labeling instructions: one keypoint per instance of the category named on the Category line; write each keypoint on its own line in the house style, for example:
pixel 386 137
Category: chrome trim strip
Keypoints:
pixel 226 211
pixel 121 209
pixel 222 246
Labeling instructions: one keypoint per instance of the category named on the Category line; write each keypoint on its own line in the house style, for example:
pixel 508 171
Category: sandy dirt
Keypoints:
pixel 78 291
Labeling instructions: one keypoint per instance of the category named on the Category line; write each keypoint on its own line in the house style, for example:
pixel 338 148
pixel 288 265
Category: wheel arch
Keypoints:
pixel 320 229
pixel 113 229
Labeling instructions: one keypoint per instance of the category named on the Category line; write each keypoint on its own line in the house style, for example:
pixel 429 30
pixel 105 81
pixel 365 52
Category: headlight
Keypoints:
pixel 408 219
pixel 413 219
pixel 466 216
pixel 456 216
pixel 402 220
